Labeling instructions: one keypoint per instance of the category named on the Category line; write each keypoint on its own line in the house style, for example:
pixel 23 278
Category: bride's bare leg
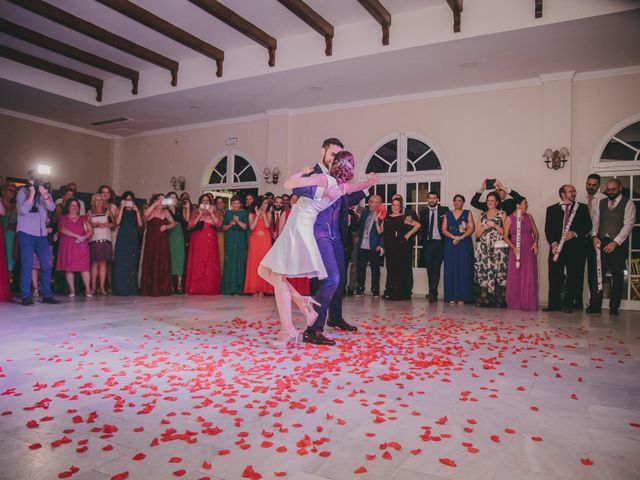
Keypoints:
pixel 283 297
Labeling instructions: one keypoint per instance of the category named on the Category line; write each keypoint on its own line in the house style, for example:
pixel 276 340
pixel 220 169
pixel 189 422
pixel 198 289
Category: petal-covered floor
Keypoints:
pixel 189 387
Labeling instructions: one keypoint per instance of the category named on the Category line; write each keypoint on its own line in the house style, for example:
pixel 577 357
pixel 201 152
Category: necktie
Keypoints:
pixel 590 201
pixel 566 215
pixel 612 204
pixel 431 222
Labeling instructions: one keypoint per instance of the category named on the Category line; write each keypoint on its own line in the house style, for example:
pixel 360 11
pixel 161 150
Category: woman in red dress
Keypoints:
pixel 203 267
pixel 5 293
pixel 155 278
pixel 259 245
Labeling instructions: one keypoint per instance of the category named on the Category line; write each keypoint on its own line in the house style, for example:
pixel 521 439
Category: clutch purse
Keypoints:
pixel 500 244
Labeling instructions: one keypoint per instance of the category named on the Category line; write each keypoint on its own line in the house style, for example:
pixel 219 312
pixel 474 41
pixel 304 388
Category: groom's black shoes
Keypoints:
pixel 341 324
pixel 317 338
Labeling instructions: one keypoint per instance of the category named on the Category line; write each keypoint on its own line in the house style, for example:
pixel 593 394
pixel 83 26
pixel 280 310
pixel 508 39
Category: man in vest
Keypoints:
pixel 591 197
pixel 613 221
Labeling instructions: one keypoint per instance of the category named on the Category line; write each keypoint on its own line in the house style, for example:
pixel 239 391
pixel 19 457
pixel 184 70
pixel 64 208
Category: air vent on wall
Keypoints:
pixel 111 121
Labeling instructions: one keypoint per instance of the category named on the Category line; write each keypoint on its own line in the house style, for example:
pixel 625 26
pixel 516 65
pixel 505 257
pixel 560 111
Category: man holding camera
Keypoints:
pixel 34 201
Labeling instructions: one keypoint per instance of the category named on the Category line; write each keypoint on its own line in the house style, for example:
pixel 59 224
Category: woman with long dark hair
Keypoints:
pixel 259 245
pixel 155 277
pixel 203 269
pixel 126 257
pixel 457 228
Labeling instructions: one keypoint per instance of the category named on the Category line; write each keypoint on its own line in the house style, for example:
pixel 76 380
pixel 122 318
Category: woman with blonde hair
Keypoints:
pixel 100 246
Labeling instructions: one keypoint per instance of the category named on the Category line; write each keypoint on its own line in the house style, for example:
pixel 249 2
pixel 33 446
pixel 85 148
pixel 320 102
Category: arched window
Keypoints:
pixel 231 170
pixel 618 156
pixel 409 165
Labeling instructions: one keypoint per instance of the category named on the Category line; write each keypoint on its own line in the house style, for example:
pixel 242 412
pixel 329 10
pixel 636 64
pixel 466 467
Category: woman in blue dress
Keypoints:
pixel 457 227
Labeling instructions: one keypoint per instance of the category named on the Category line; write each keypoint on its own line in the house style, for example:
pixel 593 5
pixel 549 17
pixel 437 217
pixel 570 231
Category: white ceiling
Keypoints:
pixel 586 44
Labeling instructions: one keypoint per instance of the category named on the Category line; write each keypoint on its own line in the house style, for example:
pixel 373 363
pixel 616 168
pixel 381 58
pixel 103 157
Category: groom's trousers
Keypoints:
pixel 329 293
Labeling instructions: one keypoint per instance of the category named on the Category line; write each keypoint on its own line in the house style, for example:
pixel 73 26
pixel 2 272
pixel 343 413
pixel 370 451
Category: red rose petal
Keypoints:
pixel 448 462
pixel 206 465
pixel 536 439
pixel 120 476
pixel 179 473
pixel 139 456
pixel 280 474
pixel 250 473
pixel 108 448
pixel 495 438
pixel 417 451
pixel 510 431
pixel 175 460
pixel 586 461
pixel 35 446
pixel 360 470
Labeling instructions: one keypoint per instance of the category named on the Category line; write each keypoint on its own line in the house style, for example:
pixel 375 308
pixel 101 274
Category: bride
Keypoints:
pixel 295 253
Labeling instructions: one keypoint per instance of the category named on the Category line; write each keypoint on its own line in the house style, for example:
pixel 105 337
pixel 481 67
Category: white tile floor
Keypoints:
pixel 501 394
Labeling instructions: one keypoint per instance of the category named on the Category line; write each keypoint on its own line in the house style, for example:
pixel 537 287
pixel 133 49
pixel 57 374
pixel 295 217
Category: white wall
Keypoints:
pixel 499 132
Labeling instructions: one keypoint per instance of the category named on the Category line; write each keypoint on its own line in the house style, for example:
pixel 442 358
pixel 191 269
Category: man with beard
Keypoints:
pixel 433 242
pixel 590 198
pixel 278 217
pixel 330 229
pixel 566 227
pixel 613 221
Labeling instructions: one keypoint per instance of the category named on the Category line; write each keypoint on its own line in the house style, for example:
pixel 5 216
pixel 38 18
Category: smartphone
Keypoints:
pixel 168 202
pixel 128 203
pixel 491 183
pixel 204 206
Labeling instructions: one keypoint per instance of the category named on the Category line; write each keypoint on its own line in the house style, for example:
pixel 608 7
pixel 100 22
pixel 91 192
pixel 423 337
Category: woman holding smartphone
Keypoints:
pixel 180 214
pixel 203 268
pixel 125 257
pixel 156 262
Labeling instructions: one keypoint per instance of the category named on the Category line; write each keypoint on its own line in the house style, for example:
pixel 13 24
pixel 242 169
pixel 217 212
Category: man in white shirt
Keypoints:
pixel 613 221
pixel 591 197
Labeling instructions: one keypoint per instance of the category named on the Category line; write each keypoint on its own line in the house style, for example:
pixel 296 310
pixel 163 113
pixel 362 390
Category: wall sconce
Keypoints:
pixel 177 183
pixel 555 159
pixel 271 176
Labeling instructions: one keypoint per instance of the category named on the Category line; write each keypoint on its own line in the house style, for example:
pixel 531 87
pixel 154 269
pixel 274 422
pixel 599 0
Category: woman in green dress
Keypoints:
pixel 235 248
pixel 180 213
pixel 9 220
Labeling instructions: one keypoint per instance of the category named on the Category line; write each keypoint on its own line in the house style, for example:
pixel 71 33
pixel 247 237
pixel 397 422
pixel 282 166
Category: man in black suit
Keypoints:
pixel 569 220
pixel 433 242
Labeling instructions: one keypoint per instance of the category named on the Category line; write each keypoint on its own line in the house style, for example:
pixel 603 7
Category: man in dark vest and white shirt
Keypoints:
pixel 613 221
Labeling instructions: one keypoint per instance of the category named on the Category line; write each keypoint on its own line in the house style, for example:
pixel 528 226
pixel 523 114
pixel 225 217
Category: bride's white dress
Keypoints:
pixel 295 253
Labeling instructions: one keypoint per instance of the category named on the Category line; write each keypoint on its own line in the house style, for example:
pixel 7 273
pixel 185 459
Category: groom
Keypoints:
pixel 330 228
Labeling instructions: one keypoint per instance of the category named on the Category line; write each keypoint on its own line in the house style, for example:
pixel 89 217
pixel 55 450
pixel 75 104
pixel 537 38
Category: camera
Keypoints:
pixel 167 202
pixel 204 206
pixel 491 183
pixel 37 183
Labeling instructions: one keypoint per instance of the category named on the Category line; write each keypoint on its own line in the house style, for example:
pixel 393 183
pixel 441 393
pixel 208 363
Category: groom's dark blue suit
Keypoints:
pixel 330 229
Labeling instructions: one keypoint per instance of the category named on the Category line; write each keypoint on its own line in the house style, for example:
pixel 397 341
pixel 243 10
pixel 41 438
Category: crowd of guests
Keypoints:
pixel 172 245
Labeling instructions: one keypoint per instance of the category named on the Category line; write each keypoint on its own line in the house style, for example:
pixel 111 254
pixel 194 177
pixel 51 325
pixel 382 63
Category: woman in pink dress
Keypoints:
pixel 522 270
pixel 203 267
pixel 5 292
pixel 73 254
pixel 259 245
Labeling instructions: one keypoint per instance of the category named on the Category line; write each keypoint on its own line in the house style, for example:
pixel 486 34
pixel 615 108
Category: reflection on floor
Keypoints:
pixel 184 387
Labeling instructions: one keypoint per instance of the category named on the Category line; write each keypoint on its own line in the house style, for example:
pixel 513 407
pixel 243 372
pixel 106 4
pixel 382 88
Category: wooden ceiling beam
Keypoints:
pixel 231 18
pixel 140 15
pixel 382 16
pixel 58 15
pixel 53 68
pixel 456 8
pixel 308 15
pixel 538 8
pixel 70 51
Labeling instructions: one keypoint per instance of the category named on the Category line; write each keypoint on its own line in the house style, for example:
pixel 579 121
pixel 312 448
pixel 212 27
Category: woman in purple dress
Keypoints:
pixel 522 272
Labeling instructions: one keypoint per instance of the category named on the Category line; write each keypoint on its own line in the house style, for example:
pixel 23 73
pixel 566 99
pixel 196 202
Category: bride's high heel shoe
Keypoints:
pixel 307 309
pixel 285 337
